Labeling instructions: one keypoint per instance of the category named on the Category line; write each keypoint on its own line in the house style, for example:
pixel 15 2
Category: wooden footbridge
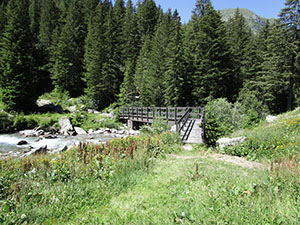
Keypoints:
pixel 188 121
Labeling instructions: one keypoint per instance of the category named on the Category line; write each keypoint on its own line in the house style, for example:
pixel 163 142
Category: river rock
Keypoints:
pixel 79 131
pixel 41 150
pixel 22 142
pixel 28 133
pixel 91 131
pixel 52 130
pixel 72 109
pixel 99 132
pixel 58 109
pixel 226 142
pixel 66 126
pixel 43 103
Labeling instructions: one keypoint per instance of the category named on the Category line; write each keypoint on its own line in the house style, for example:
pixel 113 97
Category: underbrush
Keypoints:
pixel 44 188
pixel 278 140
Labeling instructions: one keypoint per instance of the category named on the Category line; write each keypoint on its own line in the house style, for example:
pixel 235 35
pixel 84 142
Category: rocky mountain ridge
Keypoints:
pixel 254 21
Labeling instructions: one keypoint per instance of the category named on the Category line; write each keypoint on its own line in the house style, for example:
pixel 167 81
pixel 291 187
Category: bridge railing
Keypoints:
pixel 149 114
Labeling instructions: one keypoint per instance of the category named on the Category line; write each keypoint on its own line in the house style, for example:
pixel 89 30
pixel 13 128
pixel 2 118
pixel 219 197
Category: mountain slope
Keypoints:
pixel 255 22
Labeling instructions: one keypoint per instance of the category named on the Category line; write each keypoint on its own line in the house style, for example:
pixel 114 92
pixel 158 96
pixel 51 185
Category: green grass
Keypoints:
pixel 270 141
pixel 135 181
pixel 221 193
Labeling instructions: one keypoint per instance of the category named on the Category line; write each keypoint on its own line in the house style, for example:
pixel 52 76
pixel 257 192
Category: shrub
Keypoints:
pixel 222 118
pixel 58 98
pixel 24 122
pixel 158 126
pixel 253 108
pixel 6 121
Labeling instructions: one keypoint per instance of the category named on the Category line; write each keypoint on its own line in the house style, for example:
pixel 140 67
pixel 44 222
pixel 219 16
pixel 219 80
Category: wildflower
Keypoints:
pixel 23 216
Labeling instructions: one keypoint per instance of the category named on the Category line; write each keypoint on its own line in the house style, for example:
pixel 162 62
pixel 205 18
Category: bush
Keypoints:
pixel 253 108
pixel 24 122
pixel 222 118
pixel 58 98
pixel 6 121
pixel 158 126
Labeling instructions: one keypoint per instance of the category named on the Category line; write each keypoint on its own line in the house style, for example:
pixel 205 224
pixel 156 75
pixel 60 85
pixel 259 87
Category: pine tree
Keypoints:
pixel 275 72
pixel 174 78
pixel 239 36
pixel 34 14
pixel 119 16
pixel 130 54
pixel 94 58
pixel 17 67
pixel 2 16
pixel 157 66
pixel 111 71
pixel 103 75
pixel 208 55
pixel 290 19
pixel 48 23
pixel 67 54
pixel 147 14
pixel 142 82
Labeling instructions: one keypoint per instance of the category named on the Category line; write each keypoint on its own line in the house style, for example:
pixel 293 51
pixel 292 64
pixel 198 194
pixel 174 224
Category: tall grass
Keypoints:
pixel 43 188
pixel 271 141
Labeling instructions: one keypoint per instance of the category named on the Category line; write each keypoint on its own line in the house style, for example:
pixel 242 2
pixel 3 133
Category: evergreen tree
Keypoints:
pixel 119 16
pixel 17 67
pixel 142 82
pixel 94 58
pixel 130 54
pixel 2 16
pixel 174 78
pixel 147 14
pixel 111 71
pixel 34 14
pixel 157 66
pixel 275 74
pixel 239 36
pixel 208 55
pixel 67 54
pixel 290 19
pixel 48 23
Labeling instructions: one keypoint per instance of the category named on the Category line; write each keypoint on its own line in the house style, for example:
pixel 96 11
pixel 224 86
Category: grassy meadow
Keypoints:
pixel 153 180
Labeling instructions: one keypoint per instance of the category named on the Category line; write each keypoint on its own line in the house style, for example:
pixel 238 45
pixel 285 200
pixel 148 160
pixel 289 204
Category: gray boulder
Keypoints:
pixel 22 142
pixel 58 109
pixel 271 119
pixel 43 102
pixel 41 150
pixel 66 126
pixel 226 142
pixel 79 131
pixel 72 109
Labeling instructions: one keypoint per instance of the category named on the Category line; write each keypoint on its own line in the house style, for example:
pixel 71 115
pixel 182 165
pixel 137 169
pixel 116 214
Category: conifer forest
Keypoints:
pixel 140 55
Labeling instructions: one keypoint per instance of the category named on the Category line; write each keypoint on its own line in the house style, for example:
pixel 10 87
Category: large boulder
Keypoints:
pixel 47 106
pixel 79 131
pixel 66 126
pixel 226 142
pixel 44 102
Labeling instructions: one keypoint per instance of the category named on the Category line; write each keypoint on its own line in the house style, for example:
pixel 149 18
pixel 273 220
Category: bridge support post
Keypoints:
pixel 130 124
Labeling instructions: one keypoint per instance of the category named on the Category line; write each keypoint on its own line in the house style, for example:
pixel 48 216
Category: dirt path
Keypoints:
pixel 242 162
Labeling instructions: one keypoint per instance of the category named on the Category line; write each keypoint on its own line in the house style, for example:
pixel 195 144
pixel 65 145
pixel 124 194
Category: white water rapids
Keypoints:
pixel 8 142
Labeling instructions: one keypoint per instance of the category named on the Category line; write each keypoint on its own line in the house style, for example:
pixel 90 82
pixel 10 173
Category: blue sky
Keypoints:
pixel 264 8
